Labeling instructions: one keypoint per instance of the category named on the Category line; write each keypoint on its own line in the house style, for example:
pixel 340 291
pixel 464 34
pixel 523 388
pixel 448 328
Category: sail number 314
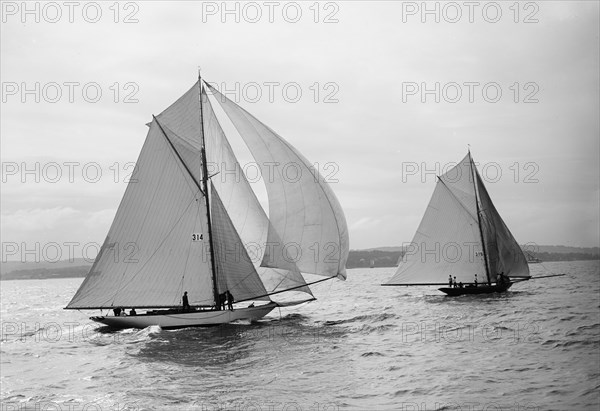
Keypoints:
pixel 197 236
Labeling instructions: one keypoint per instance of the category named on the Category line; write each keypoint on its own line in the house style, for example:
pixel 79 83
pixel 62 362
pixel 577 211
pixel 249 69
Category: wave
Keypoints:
pixel 365 318
pixel 372 354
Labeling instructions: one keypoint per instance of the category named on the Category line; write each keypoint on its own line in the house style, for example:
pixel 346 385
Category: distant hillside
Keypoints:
pixel 10 266
pixel 388 249
pixel 554 249
pixel 46 273
pixel 375 257
pixel 372 258
pixel 389 256
pixel 565 256
pixel 561 249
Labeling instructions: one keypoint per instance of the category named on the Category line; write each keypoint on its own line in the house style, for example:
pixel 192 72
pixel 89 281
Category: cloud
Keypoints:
pixel 369 131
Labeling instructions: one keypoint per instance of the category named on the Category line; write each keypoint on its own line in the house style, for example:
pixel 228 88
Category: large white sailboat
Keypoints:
pixel 191 225
pixel 462 236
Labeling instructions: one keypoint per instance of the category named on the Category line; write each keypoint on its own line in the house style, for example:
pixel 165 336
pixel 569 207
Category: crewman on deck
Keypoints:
pixel 475 280
pixel 455 285
pixel 449 281
pixel 222 299
pixel 185 302
pixel 229 300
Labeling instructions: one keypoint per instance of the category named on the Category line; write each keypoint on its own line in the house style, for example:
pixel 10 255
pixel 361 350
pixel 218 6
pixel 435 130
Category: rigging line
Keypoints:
pixel 283 277
pixel 411 284
pixel 545 268
pixel 178 156
pixel 182 168
pixel 328 290
pixel 485 256
pixel 288 289
pixel 535 278
pixel 456 198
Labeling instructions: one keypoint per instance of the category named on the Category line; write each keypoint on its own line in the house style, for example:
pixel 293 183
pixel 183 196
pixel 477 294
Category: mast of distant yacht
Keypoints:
pixel 485 259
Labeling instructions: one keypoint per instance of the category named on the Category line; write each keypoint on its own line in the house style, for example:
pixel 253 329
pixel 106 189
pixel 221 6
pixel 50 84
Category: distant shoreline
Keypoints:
pixel 373 258
pixel 46 273
pixel 379 258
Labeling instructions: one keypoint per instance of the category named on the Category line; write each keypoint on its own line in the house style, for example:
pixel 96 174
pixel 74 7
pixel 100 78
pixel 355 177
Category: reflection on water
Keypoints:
pixel 236 345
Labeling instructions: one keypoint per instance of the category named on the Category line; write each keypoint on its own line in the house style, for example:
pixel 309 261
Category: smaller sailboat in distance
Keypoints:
pixel 462 241
pixel 192 225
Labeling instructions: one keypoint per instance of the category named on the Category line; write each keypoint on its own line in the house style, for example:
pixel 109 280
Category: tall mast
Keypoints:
pixel 485 259
pixel 206 199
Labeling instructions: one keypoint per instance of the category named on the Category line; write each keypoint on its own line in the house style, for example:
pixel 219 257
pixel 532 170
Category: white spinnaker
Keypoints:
pixel 149 257
pixel 306 218
pixel 448 241
pixel 244 209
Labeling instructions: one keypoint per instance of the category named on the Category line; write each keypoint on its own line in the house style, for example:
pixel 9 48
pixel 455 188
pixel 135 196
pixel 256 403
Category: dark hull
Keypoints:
pixel 482 289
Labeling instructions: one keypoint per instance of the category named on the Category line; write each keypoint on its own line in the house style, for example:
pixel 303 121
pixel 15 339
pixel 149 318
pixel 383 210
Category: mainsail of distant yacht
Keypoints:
pixel 460 236
pixel 188 224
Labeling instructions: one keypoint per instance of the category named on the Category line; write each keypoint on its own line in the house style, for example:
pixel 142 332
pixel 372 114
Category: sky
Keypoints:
pixel 381 95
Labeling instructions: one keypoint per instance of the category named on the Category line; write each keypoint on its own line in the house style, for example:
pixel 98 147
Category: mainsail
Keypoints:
pixel 167 239
pixel 461 235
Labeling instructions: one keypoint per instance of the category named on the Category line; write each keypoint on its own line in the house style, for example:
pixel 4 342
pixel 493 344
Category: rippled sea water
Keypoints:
pixel 358 347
